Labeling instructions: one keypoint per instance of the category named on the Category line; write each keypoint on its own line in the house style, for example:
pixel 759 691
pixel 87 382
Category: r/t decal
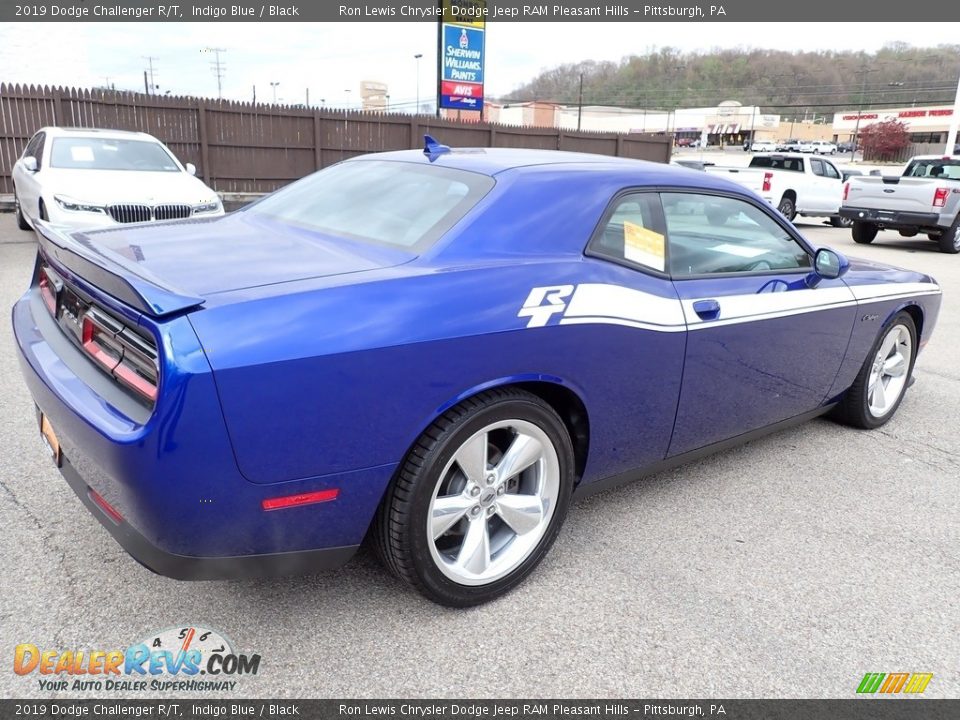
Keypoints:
pixel 543 302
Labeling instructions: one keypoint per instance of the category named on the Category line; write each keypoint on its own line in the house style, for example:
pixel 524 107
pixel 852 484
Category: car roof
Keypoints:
pixel 96 132
pixel 491 161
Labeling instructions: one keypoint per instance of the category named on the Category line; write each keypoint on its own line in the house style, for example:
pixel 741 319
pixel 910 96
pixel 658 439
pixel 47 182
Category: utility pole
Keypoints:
pixel 254 94
pixel 308 97
pixel 152 88
pixel 219 67
pixel 417 58
pixel 580 103
pixel 952 134
pixel 863 91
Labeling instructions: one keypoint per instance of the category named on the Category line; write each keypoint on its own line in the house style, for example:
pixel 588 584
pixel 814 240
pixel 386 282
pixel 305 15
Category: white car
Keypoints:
pixel 83 179
pixel 818 147
pixel 763 146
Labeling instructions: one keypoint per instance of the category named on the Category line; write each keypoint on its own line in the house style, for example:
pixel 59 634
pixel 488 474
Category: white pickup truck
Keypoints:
pixel 793 183
pixel 925 199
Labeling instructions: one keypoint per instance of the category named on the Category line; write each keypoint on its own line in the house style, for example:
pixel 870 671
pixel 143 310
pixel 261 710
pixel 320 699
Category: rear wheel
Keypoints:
pixel 879 387
pixel 864 232
pixel 787 208
pixel 949 240
pixel 479 500
pixel 18 211
pixel 840 222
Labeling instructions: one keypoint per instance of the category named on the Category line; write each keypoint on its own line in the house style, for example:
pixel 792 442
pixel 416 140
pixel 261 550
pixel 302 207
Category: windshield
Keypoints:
pixel 942 168
pixel 90 153
pixel 398 204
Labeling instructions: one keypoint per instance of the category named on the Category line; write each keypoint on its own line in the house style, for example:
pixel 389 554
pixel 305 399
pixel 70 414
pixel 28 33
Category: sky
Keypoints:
pixel 331 59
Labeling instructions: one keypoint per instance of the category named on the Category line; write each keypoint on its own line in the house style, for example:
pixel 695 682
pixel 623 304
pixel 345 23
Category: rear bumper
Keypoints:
pixel 188 567
pixel 182 507
pixel 891 219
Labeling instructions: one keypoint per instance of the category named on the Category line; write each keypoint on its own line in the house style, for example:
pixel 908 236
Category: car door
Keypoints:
pixel 641 332
pixel 28 183
pixel 762 346
pixel 824 188
pixel 833 186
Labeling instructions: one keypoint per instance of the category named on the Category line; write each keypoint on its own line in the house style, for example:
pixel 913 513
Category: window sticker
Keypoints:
pixel 81 153
pixel 739 250
pixel 643 246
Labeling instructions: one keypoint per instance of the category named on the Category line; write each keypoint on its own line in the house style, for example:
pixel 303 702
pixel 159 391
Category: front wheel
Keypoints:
pixel 18 212
pixel 479 500
pixel 879 387
pixel 864 232
pixel 840 221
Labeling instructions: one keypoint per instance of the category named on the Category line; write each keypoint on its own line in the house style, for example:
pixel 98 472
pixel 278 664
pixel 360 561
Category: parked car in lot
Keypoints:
pixel 845 147
pixel 397 346
pixel 925 199
pixel 790 145
pixel 84 178
pixel 763 146
pixel 794 184
pixel 818 147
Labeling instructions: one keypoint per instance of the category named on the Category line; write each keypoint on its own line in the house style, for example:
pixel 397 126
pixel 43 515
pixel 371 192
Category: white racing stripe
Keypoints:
pixel 602 304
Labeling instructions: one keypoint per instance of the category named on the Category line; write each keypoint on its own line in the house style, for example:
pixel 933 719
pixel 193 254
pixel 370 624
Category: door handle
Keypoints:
pixel 707 309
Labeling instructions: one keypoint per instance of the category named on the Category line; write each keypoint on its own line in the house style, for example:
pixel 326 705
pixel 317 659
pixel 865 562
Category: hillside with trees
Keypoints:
pixel 786 83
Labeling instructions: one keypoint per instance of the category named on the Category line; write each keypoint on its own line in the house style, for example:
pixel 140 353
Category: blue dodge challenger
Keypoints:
pixel 438 350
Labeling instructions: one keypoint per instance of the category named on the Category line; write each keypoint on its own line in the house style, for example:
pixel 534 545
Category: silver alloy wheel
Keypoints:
pixel 493 502
pixel 888 374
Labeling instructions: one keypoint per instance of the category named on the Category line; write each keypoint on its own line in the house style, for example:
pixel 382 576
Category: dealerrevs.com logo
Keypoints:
pixel 186 659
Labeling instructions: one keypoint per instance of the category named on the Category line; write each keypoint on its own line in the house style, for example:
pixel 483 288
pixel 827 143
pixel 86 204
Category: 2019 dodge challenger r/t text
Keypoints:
pixel 438 350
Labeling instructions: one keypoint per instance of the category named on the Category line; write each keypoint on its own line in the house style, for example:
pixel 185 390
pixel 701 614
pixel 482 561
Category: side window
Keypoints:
pixel 709 234
pixel 830 171
pixel 39 150
pixel 35 148
pixel 634 233
pixel 31 148
pixel 816 167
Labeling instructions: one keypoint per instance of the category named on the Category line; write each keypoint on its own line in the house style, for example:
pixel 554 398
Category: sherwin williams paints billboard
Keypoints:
pixel 461 38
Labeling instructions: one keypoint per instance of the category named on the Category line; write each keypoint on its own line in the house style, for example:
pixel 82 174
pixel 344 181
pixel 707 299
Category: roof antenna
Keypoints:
pixel 432 148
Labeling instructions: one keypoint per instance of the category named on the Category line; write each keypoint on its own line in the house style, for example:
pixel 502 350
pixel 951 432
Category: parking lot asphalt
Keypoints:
pixel 788 567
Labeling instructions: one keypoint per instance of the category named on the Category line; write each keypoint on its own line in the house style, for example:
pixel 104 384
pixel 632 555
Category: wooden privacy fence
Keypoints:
pixel 248 148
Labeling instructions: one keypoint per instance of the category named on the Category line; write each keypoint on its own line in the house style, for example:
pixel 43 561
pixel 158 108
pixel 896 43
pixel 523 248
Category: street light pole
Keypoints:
pixel 417 57
pixel 580 103
pixel 274 85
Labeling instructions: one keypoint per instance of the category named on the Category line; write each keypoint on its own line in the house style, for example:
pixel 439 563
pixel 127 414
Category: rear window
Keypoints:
pixel 397 204
pixel 942 168
pixel 777 163
pixel 108 154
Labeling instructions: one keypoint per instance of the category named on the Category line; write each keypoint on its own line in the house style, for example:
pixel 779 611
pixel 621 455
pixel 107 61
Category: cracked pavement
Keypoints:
pixel 788 567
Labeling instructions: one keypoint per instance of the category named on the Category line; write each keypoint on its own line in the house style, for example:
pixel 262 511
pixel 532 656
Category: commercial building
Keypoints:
pixel 928 124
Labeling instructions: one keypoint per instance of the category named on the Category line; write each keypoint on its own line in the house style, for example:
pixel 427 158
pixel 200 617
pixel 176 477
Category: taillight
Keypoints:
pixel 767 177
pixel 846 190
pixel 940 197
pixel 122 353
pixel 49 287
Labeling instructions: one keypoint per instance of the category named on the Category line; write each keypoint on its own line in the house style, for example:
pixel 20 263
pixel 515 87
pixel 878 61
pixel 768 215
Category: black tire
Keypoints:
pixel 949 241
pixel 840 222
pixel 864 232
pixel 21 220
pixel 787 207
pixel 399 529
pixel 854 409
pixel 935 237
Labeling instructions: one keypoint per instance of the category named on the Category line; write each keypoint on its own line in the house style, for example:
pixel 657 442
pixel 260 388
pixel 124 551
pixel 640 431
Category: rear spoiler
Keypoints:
pixel 112 273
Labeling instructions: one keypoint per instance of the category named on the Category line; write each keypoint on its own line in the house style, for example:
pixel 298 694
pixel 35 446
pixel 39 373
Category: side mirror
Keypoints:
pixel 827 265
pixel 29 163
pixel 191 168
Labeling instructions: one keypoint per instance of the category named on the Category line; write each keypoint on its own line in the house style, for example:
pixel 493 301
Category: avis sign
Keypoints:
pixel 462 34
